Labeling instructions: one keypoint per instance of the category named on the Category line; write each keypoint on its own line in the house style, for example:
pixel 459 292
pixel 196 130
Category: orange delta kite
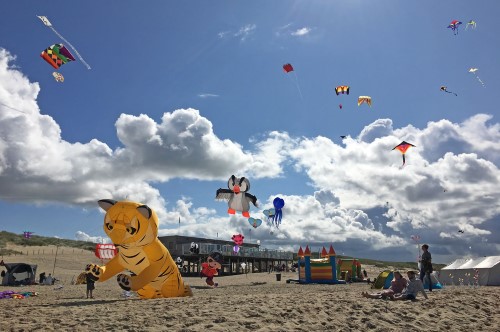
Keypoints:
pixel 403 147
pixel 365 99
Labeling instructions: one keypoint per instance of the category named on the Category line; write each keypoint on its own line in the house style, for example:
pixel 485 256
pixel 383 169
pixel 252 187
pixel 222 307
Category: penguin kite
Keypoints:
pixel 237 196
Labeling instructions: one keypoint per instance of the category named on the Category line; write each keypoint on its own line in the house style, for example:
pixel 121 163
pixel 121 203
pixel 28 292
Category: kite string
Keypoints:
pixel 14 109
pixel 298 85
pixel 72 47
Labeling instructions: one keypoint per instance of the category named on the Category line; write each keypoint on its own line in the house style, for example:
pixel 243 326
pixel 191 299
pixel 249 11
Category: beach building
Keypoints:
pixel 256 258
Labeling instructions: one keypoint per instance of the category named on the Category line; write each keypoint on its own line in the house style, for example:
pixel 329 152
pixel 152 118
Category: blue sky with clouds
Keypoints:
pixel 183 94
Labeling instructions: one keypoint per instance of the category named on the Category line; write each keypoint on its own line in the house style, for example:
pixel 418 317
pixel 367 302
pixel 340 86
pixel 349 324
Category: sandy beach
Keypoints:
pixel 252 302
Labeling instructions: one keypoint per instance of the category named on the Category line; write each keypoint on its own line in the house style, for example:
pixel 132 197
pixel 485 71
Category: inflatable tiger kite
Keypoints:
pixel 133 228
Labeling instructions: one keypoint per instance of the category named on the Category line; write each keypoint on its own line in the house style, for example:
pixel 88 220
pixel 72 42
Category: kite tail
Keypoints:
pixel 482 83
pixel 404 161
pixel 278 216
pixel 72 47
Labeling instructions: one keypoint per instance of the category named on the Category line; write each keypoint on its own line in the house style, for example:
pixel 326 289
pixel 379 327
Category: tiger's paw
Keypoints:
pixel 124 281
pixel 95 271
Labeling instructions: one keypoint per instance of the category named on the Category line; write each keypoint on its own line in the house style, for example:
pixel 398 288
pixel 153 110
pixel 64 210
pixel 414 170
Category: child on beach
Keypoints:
pixel 90 285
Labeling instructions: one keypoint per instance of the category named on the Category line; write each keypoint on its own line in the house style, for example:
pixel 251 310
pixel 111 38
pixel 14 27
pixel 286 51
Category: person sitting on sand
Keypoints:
pixel 49 280
pixel 5 278
pixel 398 284
pixel 413 286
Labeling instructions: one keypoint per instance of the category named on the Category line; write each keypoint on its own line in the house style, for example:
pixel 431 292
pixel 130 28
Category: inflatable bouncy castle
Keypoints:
pixel 319 271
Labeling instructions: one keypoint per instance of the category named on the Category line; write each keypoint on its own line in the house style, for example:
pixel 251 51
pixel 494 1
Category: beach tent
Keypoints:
pixel 383 280
pixel 435 281
pixel 353 266
pixel 485 269
pixel 19 274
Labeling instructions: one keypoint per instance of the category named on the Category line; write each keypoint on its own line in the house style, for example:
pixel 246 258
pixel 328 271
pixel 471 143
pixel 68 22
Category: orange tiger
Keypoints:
pixel 133 228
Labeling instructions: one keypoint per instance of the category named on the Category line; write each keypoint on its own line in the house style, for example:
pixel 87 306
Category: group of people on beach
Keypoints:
pixel 407 289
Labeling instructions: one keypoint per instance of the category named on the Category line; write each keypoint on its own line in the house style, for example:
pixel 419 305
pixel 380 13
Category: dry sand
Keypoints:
pixel 253 302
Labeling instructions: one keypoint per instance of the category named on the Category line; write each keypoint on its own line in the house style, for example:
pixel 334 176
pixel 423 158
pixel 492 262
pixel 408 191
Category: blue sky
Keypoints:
pixel 182 95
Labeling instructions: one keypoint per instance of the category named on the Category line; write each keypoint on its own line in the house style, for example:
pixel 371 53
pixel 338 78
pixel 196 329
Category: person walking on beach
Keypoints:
pixel 426 265
pixel 90 285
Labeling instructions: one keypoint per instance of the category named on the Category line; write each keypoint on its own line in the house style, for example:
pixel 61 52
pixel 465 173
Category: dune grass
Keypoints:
pixel 35 240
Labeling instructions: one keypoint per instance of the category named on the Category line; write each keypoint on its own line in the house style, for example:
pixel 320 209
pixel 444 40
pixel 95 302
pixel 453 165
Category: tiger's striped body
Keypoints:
pixel 133 228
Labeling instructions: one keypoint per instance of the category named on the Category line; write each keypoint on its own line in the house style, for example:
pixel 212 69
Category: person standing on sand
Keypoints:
pixel 90 285
pixel 42 278
pixel 426 265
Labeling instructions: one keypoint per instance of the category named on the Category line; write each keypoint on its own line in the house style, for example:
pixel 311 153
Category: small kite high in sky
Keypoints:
pixel 342 89
pixel 365 99
pixel 403 147
pixel 473 71
pixel 47 23
pixel 58 77
pixel 454 26
pixel 288 68
pixel 445 89
pixel 472 24
pixel 57 55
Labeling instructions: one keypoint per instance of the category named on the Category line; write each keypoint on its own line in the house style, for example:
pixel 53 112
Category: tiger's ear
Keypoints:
pixel 106 204
pixel 145 211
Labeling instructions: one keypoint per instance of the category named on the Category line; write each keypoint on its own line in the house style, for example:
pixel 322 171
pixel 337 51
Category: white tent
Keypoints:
pixel 486 268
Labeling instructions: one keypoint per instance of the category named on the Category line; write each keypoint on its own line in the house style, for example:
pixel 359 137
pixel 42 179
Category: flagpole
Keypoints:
pixel 55 258
pixel 179 229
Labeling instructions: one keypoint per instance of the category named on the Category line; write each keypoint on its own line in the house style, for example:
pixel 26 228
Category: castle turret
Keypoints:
pixel 307 261
pixel 333 262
